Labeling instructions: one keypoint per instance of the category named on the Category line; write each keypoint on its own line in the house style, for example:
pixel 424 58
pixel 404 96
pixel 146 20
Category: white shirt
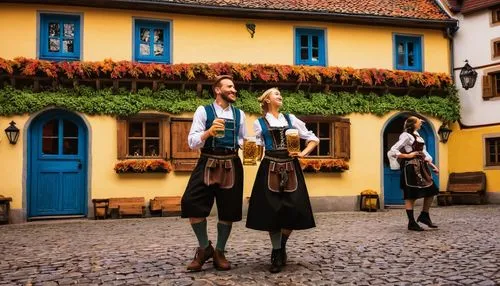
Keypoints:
pixel 200 120
pixel 281 122
pixel 405 141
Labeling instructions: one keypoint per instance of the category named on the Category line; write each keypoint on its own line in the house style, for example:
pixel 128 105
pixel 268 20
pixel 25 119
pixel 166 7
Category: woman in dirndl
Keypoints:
pixel 410 155
pixel 279 202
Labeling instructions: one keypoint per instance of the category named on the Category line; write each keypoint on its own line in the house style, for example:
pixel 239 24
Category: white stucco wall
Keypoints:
pixel 473 42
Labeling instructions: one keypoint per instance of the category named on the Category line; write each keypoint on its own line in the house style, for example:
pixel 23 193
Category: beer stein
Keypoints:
pixel 250 151
pixel 221 132
pixel 292 141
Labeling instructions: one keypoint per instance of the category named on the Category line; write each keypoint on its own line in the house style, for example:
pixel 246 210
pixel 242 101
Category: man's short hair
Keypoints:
pixel 219 78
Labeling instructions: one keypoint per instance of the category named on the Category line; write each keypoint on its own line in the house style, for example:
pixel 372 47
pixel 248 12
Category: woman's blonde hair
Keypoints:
pixel 410 124
pixel 262 99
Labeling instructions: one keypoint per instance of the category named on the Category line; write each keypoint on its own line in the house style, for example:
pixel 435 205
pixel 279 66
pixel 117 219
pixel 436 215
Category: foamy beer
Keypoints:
pixel 260 150
pixel 250 151
pixel 292 140
pixel 220 133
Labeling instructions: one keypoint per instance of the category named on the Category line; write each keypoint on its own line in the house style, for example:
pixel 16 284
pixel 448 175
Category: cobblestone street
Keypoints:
pixel 346 248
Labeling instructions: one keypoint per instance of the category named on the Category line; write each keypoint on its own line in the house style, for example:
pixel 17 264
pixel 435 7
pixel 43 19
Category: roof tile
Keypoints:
pixel 416 9
pixel 470 6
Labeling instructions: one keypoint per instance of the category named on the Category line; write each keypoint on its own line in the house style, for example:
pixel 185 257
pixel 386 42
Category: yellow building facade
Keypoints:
pixel 467 149
pixel 108 33
pixel 197 39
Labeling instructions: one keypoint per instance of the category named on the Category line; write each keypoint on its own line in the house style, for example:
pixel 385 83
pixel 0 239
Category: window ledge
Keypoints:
pixel 491 167
pixel 143 166
pixel 310 165
pixel 59 59
pixel 493 98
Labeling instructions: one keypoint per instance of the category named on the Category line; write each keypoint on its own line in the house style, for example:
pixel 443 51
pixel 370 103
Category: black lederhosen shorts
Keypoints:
pixel 198 198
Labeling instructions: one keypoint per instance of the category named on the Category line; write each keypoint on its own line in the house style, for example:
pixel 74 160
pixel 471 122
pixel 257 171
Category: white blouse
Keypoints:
pixel 281 122
pixel 405 141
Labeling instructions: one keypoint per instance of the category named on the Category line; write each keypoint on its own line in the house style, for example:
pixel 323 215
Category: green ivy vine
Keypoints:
pixel 123 103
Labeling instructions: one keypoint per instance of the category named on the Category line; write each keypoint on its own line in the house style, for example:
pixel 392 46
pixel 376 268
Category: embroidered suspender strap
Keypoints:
pixel 264 133
pixel 288 119
pixel 237 119
pixel 211 115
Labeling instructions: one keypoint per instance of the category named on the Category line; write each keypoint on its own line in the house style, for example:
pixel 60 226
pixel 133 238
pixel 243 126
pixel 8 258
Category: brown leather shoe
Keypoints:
pixel 220 261
pixel 200 257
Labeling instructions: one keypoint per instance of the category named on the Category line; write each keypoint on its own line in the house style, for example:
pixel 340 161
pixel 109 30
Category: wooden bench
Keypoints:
pixel 166 206
pixel 101 208
pixel 127 206
pixel 4 209
pixel 462 185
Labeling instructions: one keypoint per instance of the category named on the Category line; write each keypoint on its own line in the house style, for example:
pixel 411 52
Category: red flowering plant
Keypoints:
pixel 31 67
pixel 143 166
pixel 6 66
pixel 323 165
pixel 109 69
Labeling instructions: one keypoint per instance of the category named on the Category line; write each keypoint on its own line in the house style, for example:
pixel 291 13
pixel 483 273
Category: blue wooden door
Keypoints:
pixel 393 195
pixel 57 166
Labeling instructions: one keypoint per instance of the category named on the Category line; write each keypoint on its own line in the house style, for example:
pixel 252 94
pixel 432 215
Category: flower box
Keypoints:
pixel 143 166
pixel 323 165
pixel 256 73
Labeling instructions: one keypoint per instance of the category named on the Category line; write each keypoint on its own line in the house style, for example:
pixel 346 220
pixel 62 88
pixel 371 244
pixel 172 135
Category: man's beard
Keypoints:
pixel 226 97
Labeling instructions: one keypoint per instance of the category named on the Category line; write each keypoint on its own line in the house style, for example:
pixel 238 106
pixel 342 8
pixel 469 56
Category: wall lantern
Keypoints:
pixel 444 132
pixel 12 133
pixel 468 76
pixel 251 28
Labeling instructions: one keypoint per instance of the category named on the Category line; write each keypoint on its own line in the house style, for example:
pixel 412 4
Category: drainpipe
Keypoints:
pixel 450 33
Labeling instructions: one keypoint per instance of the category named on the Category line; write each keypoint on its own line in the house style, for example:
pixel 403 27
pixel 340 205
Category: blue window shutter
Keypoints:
pixel 66 43
pixel 411 55
pixel 155 42
pixel 321 49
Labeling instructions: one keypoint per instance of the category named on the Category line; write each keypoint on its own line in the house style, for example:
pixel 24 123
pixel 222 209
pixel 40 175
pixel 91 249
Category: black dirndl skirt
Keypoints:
pixel 270 210
pixel 416 179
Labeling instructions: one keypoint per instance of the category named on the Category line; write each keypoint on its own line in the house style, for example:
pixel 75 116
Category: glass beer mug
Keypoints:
pixel 292 141
pixel 221 132
pixel 250 151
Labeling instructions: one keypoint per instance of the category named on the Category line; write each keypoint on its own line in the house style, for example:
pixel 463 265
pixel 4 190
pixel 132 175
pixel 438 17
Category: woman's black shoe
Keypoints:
pixel 276 261
pixel 414 226
pixel 426 219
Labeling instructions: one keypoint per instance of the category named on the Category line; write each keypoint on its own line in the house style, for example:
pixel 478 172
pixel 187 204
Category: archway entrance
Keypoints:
pixel 393 195
pixel 57 165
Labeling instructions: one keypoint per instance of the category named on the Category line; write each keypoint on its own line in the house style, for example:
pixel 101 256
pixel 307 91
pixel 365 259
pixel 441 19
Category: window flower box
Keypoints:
pixel 143 166
pixel 323 165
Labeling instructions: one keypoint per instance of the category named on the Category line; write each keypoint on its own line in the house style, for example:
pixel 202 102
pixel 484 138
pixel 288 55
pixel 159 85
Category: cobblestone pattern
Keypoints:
pixel 346 248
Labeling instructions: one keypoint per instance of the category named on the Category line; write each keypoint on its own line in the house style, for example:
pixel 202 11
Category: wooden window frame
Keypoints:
pixel 417 41
pixel 491 85
pixel 310 32
pixel 495 16
pixel 495 49
pixel 339 135
pixel 488 139
pixel 166 26
pixel 123 135
pixel 43 52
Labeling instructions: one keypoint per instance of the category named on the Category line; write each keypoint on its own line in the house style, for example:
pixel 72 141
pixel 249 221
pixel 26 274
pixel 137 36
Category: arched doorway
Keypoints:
pixel 392 192
pixel 57 165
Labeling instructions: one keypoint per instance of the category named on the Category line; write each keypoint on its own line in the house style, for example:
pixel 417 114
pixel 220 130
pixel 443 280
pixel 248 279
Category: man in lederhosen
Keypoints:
pixel 218 130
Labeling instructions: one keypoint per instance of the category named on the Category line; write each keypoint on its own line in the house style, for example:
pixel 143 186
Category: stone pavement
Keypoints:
pixel 346 248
